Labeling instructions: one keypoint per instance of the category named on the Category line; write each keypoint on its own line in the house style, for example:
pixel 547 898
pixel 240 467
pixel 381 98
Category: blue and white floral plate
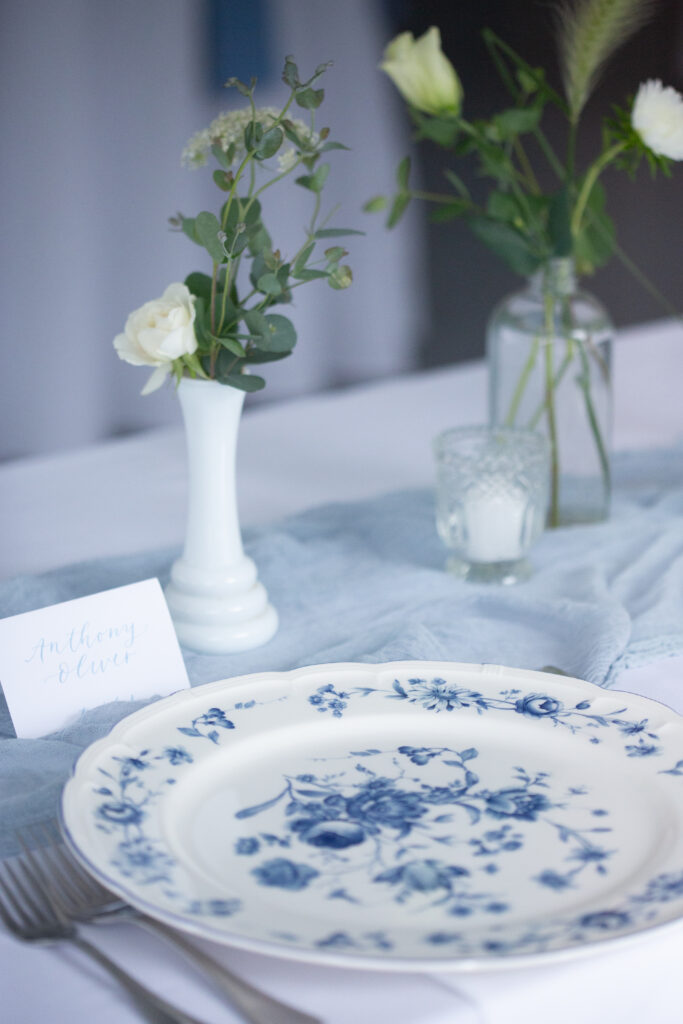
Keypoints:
pixel 415 815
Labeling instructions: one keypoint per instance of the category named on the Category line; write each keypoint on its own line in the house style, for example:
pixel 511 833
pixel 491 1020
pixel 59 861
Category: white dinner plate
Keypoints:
pixel 418 815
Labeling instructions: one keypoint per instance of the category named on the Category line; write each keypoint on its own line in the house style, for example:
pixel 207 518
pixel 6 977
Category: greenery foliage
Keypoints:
pixel 523 223
pixel 234 324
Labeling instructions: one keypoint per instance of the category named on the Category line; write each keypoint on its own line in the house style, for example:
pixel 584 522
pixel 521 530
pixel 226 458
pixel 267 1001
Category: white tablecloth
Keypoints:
pixel 129 494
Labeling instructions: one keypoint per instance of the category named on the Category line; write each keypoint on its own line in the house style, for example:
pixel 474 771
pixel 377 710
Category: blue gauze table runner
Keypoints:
pixel 365 582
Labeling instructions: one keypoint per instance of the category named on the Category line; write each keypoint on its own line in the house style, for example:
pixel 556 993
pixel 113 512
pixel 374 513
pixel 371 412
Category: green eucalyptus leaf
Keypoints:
pixel 199 285
pixel 457 182
pixel 507 243
pixel 221 155
pixel 251 211
pixel 303 257
pixel 502 206
pixel 340 278
pixel 280 335
pixel 309 275
pixel 398 208
pixel 232 345
pixel 290 73
pixel 230 215
pixel 187 224
pixel 376 204
pixel 496 163
pixel 257 355
pixel 527 81
pixel 515 121
pixel 258 268
pixel 449 211
pixel 283 273
pixel 291 133
pixel 442 131
pixel 191 360
pixel 268 284
pixel 244 381
pixel 253 134
pixel 309 99
pixel 327 146
pixel 403 173
pixel 259 241
pixel 237 242
pixel 336 232
pixel 235 83
pixel 314 182
pixel 223 179
pixel 270 143
pixel 257 325
pixel 335 253
pixel 201 331
pixel 207 229
pixel 231 312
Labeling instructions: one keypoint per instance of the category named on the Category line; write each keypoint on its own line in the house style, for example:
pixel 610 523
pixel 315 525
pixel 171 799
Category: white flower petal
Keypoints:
pixel 423 74
pixel 159 332
pixel 156 379
pixel 657 116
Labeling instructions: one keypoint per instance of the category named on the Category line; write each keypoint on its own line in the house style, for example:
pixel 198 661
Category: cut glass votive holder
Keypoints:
pixel 492 489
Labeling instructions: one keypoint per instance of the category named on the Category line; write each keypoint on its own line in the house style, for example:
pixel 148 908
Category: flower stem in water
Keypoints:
pixel 522 382
pixel 554 518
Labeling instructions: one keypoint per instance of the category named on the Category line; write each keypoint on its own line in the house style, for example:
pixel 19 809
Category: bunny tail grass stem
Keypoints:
pixel 589 31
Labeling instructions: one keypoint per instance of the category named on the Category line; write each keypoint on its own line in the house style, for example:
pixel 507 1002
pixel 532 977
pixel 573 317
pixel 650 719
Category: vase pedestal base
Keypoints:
pixel 220 611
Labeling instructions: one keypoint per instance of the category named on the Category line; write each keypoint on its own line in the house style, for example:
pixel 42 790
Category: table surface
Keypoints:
pixel 129 495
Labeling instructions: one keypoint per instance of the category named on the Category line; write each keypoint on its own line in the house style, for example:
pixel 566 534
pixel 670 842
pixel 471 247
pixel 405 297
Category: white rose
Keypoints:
pixel 159 332
pixel 423 74
pixel 657 116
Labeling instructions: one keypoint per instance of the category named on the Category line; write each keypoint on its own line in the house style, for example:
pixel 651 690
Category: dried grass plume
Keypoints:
pixel 589 31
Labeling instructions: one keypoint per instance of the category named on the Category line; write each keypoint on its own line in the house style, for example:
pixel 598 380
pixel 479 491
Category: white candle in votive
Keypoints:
pixel 493 525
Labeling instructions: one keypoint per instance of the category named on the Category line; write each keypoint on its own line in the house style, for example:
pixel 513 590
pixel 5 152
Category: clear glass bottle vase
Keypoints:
pixel 549 354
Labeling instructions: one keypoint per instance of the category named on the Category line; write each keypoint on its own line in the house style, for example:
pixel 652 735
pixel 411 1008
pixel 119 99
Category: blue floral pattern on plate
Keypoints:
pixel 417 847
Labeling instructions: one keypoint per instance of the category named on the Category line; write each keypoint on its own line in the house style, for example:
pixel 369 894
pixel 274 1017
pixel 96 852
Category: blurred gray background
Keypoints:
pixel 99 100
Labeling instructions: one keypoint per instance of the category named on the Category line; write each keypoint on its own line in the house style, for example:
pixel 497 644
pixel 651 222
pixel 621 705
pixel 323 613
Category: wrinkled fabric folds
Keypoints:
pixel 366 582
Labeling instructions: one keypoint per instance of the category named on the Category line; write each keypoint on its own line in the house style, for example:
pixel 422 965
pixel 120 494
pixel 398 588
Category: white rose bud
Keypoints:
pixel 423 74
pixel 657 116
pixel 159 332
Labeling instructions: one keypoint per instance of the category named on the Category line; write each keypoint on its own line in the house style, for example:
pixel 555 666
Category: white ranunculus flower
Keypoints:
pixel 657 116
pixel 423 74
pixel 159 332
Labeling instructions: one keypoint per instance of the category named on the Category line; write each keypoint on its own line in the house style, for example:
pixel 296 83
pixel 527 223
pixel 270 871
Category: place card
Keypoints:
pixel 59 661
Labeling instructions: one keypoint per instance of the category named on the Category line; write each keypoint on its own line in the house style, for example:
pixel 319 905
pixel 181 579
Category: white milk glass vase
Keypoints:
pixel 217 604
pixel 549 354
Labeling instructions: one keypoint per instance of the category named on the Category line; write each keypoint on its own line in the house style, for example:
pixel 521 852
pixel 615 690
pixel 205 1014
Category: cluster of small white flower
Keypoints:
pixel 228 129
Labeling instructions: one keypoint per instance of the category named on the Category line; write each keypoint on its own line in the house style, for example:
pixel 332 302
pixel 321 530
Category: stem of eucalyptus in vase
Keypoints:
pixel 536 231
pixel 217 325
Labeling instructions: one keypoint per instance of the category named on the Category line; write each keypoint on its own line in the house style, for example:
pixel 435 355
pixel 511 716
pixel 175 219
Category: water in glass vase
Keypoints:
pixel 549 352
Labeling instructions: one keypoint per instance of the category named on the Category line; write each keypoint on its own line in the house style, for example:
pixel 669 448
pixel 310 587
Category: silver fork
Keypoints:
pixel 26 911
pixel 82 898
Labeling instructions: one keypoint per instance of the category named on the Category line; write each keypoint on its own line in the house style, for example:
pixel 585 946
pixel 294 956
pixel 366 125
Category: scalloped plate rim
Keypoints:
pixel 366 960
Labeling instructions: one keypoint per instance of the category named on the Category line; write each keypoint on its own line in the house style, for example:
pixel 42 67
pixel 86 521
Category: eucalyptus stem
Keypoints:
pixel 214 279
pixel 549 307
